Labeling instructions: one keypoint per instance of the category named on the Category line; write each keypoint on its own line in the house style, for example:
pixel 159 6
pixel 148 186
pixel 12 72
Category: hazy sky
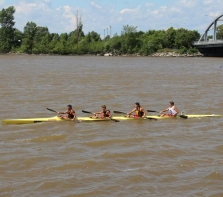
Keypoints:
pixel 97 15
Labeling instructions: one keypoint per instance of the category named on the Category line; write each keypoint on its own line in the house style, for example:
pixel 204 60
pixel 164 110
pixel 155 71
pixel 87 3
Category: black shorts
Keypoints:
pixel 70 116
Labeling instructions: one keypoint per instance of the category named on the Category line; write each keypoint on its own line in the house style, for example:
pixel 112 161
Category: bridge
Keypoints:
pixel 209 45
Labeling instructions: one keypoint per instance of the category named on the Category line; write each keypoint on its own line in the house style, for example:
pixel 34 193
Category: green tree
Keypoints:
pixel 170 36
pixel 115 44
pixel 82 47
pixel 95 37
pixel 130 40
pixel 7 29
pixel 152 41
pixel 63 37
pixel 43 46
pixel 185 38
pixel 18 37
pixel 128 29
pixel 40 32
pixel 41 40
pixel 220 32
pixel 30 30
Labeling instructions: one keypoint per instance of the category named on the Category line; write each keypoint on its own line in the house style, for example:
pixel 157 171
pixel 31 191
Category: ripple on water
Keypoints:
pixel 130 158
pixel 54 137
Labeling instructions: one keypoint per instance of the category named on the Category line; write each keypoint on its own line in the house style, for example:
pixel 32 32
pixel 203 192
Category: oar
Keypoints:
pixel 119 112
pixel 88 112
pixel 152 111
pixel 51 110
pixel 56 112
pixel 181 116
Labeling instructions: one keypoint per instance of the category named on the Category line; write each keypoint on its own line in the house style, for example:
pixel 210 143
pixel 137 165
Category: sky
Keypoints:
pixel 102 16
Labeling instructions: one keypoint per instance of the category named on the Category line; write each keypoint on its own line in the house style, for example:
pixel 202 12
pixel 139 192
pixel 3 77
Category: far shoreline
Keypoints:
pixel 157 54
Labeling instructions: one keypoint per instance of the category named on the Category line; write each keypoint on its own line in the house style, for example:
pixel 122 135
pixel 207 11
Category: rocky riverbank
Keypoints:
pixel 162 54
pixel 174 54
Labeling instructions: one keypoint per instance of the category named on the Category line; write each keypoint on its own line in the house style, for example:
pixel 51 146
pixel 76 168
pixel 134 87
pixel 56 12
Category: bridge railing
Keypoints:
pixel 209 42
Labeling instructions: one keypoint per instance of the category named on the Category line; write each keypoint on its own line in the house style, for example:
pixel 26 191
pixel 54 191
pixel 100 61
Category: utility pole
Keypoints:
pixel 110 31
pixel 107 31
pixel 104 33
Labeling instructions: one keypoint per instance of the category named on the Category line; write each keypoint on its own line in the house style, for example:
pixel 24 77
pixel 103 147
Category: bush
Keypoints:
pixel 183 50
pixel 192 50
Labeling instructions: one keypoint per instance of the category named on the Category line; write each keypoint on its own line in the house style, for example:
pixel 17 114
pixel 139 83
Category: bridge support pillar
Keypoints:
pixel 206 36
pixel 215 27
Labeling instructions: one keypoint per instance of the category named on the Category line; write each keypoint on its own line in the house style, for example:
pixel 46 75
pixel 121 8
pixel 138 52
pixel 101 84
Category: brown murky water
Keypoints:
pixel 132 158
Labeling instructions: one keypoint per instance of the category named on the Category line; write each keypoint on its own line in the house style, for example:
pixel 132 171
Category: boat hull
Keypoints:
pixel 31 120
pixel 89 119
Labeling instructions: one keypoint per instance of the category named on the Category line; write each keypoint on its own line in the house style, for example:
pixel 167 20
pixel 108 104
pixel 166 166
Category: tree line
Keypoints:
pixel 35 39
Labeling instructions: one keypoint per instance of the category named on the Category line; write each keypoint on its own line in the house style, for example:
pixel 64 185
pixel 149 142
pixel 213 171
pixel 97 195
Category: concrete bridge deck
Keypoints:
pixel 210 47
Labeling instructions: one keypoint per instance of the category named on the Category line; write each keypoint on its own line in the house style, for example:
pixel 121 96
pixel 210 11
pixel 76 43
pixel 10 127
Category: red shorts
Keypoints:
pixel 135 116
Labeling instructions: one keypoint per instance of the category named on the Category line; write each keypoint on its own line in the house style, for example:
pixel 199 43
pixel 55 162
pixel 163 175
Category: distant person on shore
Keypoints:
pixel 139 112
pixel 172 109
pixel 105 113
pixel 70 113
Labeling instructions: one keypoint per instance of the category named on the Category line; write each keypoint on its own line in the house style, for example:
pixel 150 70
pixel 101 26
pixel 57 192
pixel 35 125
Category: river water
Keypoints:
pixel 174 157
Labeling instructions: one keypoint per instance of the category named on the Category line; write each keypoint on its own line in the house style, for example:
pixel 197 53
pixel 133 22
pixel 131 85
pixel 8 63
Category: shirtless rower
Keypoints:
pixel 105 113
pixel 139 112
pixel 70 113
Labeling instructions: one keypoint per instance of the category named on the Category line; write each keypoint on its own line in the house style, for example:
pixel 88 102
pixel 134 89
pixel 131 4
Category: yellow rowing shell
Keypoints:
pixel 89 119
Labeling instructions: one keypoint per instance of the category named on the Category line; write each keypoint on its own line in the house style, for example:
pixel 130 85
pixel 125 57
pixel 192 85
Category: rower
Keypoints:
pixel 173 111
pixel 105 113
pixel 139 111
pixel 70 113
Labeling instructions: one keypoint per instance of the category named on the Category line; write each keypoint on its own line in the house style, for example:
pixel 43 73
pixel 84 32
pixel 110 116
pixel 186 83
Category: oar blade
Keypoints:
pixel 150 118
pixel 183 116
pixel 115 120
